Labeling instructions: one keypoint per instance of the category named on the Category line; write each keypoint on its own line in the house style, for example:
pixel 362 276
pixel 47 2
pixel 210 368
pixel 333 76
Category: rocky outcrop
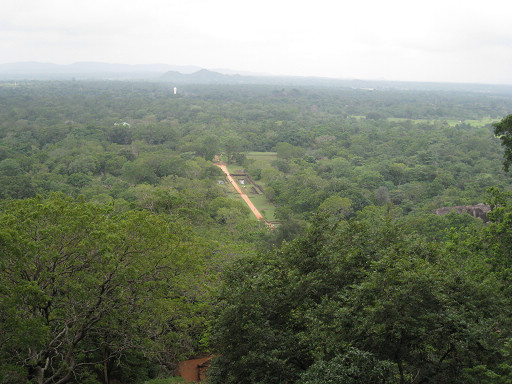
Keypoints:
pixel 479 210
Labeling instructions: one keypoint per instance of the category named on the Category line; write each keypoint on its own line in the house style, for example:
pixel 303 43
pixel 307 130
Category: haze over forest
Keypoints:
pixel 180 75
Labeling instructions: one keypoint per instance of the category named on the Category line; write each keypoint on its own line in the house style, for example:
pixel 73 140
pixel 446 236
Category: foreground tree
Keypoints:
pixel 503 129
pixel 82 288
pixel 357 295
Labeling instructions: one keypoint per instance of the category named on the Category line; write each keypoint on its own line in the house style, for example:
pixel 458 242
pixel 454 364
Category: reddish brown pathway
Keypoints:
pixel 242 194
pixel 194 370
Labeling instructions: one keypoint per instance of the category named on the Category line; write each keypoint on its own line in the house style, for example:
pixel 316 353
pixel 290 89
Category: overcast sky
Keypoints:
pixel 418 40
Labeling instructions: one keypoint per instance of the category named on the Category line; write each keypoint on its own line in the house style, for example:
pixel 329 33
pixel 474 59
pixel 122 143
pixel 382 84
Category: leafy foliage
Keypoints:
pixel 353 295
pixel 503 129
pixel 118 281
pixel 83 286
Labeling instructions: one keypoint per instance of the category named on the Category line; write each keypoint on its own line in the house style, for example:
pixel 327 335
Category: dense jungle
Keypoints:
pixel 124 250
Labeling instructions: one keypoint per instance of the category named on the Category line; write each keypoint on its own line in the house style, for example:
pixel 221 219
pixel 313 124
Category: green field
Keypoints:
pixel 263 160
pixel 262 157
pixel 233 168
pixel 475 123
pixel 266 208
pixel 452 123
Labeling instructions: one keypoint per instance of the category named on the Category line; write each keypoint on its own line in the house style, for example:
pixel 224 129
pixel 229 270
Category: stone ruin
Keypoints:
pixel 479 210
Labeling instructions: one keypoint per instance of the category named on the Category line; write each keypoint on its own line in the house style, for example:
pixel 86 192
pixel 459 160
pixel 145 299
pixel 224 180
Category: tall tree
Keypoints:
pixel 356 294
pixel 81 286
pixel 503 129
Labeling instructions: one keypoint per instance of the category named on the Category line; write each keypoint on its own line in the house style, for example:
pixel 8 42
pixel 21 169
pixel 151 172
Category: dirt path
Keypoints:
pixel 239 190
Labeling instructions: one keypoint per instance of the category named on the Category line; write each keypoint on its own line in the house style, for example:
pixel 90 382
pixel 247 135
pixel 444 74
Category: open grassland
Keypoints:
pixel 234 168
pixel 452 123
pixel 265 207
pixel 475 123
pixel 262 160
pixel 262 157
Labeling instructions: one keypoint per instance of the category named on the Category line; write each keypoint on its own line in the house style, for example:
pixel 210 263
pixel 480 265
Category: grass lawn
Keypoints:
pixel 475 123
pixel 452 123
pixel 266 208
pixel 234 168
pixel 264 159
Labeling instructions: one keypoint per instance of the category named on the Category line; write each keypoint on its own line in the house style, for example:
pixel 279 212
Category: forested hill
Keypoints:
pixel 123 251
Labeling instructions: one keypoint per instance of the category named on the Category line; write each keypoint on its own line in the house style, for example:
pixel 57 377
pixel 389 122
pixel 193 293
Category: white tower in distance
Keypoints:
pixel 175 90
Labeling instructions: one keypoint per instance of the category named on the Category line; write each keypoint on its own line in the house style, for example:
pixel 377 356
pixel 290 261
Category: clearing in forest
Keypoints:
pixel 252 189
pixel 242 194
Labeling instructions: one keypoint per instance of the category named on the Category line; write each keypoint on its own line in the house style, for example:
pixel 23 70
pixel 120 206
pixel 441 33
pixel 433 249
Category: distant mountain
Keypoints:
pixel 87 70
pixel 203 76
pixel 195 75
pixel 227 71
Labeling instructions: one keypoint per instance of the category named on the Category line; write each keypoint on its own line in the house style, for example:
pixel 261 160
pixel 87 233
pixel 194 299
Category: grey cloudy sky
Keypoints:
pixel 434 40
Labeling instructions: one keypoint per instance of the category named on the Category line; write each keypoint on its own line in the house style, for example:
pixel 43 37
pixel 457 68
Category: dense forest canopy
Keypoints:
pixel 87 138
pixel 122 250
